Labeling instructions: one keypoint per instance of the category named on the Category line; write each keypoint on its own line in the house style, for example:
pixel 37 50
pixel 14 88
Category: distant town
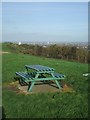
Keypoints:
pixel 45 44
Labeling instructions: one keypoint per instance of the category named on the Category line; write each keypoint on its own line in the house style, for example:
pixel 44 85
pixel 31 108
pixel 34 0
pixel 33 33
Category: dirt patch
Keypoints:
pixel 11 86
pixel 67 88
pixel 1 52
pixel 38 88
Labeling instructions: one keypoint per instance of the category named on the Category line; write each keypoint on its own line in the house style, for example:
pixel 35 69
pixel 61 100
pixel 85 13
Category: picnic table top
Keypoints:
pixel 39 68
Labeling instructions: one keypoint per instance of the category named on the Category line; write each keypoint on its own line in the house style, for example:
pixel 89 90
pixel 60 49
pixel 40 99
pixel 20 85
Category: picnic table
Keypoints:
pixel 39 73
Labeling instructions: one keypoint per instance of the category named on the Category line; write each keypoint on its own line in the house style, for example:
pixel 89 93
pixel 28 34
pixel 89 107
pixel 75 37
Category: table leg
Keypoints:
pixel 30 86
pixel 58 84
pixel 26 70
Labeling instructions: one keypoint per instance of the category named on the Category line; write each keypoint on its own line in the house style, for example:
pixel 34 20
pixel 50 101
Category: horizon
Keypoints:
pixel 43 22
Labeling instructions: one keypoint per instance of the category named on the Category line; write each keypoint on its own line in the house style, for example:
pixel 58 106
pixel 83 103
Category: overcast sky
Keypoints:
pixel 50 21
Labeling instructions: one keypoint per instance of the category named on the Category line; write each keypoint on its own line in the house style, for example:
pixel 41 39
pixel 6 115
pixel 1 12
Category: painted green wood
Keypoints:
pixel 42 79
pixel 39 67
pixel 45 71
pixel 32 83
pixel 58 84
pixel 33 77
pixel 53 75
pixel 31 86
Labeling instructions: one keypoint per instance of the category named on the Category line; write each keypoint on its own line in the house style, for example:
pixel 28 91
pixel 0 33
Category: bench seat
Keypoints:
pixel 57 75
pixel 24 75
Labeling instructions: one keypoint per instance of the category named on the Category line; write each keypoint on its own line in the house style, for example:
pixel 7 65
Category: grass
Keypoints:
pixel 45 105
pixel 54 105
pixel 16 62
pixel 0 77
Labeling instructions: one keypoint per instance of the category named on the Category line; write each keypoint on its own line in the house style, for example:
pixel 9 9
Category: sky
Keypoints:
pixel 45 21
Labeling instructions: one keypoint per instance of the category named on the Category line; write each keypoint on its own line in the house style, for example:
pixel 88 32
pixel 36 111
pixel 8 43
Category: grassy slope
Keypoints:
pixel 62 105
pixel 16 62
pixel 0 76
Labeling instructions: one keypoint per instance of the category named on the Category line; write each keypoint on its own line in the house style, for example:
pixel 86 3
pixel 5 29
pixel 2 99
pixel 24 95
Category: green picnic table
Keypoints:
pixel 39 73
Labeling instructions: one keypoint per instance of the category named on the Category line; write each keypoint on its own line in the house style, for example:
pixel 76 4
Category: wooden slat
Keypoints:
pixel 58 75
pixel 22 74
pixel 39 67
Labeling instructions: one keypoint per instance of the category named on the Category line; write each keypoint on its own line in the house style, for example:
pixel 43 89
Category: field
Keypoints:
pixel 44 105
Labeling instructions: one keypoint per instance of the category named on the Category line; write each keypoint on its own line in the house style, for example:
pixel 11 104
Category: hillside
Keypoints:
pixel 44 105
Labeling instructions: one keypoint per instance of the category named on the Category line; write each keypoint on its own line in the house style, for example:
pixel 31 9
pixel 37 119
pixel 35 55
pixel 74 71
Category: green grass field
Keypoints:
pixel 45 105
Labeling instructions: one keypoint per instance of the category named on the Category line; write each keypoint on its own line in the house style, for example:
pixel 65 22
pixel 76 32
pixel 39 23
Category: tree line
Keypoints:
pixel 65 52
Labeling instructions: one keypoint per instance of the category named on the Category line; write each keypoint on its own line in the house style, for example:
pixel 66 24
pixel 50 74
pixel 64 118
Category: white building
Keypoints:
pixel 19 43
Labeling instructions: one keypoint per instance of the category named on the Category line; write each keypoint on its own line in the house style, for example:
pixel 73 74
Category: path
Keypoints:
pixel 2 52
